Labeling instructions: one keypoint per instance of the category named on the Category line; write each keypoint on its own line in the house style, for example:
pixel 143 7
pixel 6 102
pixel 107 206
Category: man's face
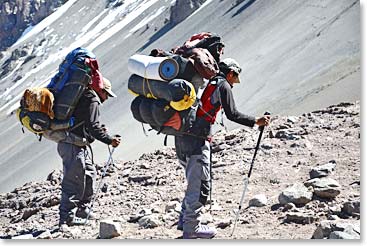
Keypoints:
pixel 233 78
pixel 104 96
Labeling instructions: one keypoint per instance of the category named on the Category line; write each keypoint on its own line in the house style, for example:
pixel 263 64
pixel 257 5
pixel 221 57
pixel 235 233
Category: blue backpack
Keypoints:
pixel 70 82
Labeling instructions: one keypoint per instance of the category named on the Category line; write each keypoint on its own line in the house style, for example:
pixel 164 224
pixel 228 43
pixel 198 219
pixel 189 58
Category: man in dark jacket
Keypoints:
pixel 193 151
pixel 79 172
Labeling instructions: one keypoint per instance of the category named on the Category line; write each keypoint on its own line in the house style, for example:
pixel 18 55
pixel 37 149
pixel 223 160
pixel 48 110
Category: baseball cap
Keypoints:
pixel 233 65
pixel 108 87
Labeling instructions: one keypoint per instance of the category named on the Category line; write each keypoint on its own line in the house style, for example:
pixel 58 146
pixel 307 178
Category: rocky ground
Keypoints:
pixel 305 184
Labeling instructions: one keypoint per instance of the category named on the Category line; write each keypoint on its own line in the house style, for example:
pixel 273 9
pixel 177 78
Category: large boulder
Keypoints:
pixel 258 201
pixel 323 170
pixel 324 187
pixel 300 217
pixel 297 194
pixel 109 228
pixel 351 208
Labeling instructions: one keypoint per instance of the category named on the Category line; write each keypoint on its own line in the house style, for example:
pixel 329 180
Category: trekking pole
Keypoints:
pixel 109 161
pixel 246 180
pixel 211 179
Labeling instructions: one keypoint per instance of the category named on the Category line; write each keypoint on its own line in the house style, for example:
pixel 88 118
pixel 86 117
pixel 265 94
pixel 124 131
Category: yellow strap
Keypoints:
pixel 145 79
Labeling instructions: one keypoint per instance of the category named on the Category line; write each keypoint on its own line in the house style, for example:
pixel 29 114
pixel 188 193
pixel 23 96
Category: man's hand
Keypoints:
pixel 104 128
pixel 263 121
pixel 116 141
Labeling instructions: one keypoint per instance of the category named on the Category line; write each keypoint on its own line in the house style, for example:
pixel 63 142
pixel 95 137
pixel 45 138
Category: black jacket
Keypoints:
pixel 87 111
pixel 202 127
pixel 229 105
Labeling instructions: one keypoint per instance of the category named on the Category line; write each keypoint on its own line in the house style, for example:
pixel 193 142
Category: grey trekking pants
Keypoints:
pixel 194 155
pixel 78 178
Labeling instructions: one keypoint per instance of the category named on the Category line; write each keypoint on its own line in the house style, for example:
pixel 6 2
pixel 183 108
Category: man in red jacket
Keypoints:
pixel 193 150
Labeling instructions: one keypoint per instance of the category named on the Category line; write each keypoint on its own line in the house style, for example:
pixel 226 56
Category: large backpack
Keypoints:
pixel 53 120
pixel 70 82
pixel 197 55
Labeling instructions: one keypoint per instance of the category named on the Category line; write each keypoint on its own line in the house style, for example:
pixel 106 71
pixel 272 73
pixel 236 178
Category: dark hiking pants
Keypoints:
pixel 78 178
pixel 194 155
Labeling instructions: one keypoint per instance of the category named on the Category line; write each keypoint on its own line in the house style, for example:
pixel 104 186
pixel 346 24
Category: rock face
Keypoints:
pixel 17 15
pixel 182 9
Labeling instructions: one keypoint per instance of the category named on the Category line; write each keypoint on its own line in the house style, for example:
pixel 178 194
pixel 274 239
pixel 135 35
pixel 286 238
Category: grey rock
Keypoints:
pixel 290 134
pixel 351 208
pixel 29 212
pixel 140 178
pixel 300 217
pixel 143 212
pixel 297 194
pixel 258 201
pixel 322 171
pixel 150 221
pixel 326 227
pixel 45 235
pixel 173 206
pixel 290 207
pixel 109 228
pixel 266 146
pixel 220 147
pixel 222 224
pixel 342 235
pixel 324 187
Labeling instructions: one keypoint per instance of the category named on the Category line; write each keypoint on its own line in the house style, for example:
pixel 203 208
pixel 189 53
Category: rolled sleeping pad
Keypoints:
pixel 180 93
pixel 157 68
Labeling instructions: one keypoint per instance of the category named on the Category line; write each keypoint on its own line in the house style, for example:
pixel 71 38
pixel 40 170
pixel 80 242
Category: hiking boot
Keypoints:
pixel 67 222
pixel 180 223
pixel 202 231
pixel 83 213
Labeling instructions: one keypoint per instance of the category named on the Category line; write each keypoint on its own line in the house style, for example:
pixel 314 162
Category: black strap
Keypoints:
pixel 165 140
pixel 145 132
pixel 91 152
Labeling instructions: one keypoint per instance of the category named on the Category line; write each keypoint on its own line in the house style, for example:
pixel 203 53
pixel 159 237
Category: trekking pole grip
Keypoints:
pixel 261 128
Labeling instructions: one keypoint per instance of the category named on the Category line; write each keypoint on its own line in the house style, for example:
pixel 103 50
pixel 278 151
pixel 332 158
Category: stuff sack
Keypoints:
pixel 204 63
pixel 35 112
pixel 161 116
pixel 75 74
pixel 180 93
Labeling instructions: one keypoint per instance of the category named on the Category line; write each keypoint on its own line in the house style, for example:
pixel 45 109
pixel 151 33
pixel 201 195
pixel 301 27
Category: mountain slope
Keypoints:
pixel 297 56
pixel 143 196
